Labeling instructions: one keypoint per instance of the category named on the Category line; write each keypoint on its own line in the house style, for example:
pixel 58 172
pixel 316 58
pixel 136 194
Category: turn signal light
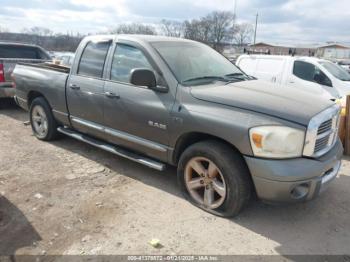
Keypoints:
pixel 257 139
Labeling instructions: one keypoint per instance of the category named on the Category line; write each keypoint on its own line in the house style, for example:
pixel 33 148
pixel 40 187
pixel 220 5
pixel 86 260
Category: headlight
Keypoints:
pixel 277 141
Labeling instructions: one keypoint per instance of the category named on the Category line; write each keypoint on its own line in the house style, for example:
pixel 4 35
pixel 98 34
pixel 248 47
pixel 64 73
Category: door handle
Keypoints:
pixel 111 95
pixel 74 87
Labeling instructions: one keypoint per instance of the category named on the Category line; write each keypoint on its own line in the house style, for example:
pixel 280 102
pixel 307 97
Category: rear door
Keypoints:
pixel 85 90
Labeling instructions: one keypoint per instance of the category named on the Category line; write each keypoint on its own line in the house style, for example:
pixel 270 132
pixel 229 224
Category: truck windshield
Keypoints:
pixel 197 64
pixel 336 71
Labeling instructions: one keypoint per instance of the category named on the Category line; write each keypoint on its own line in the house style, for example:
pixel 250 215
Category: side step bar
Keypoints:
pixel 113 149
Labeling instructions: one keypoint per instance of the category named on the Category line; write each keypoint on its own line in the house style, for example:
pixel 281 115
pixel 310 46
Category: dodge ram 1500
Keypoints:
pixel 166 101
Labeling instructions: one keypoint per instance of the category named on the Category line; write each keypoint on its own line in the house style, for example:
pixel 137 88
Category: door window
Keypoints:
pixel 93 59
pixel 125 59
pixel 310 72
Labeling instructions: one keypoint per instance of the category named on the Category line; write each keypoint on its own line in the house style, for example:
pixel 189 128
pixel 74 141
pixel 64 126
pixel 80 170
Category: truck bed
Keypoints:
pixel 49 66
pixel 47 79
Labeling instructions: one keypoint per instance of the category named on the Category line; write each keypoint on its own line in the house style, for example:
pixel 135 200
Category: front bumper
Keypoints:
pixel 294 180
pixel 7 90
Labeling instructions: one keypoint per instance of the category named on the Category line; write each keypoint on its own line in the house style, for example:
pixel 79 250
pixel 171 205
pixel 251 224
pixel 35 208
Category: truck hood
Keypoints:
pixel 275 100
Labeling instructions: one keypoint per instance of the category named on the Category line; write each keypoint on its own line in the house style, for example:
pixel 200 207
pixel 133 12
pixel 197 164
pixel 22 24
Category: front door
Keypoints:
pixel 310 78
pixel 85 90
pixel 136 117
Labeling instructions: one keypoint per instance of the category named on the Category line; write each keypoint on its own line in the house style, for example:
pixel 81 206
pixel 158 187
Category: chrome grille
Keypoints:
pixel 325 127
pixel 322 132
pixel 321 143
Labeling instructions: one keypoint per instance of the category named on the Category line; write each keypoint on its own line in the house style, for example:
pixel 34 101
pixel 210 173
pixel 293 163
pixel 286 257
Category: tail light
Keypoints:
pixel 2 73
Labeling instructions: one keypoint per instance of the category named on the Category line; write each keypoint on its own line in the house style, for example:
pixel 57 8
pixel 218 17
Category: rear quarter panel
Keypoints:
pixel 50 83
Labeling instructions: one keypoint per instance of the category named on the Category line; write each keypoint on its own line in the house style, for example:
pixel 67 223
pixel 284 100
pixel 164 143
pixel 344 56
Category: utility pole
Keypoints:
pixel 234 19
pixel 256 27
pixel 235 9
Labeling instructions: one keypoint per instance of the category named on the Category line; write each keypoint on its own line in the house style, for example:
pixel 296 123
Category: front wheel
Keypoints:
pixel 43 124
pixel 215 178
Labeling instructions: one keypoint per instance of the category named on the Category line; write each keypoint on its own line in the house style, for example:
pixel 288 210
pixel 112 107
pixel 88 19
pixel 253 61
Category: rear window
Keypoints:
pixel 21 52
pixel 93 59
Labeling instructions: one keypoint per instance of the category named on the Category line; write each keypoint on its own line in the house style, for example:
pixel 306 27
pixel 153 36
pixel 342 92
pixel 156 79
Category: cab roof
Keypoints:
pixel 138 38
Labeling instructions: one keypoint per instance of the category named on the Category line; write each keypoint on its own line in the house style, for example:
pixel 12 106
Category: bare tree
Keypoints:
pixel 172 28
pixel 198 30
pixel 134 28
pixel 213 29
pixel 222 27
pixel 243 34
pixel 39 31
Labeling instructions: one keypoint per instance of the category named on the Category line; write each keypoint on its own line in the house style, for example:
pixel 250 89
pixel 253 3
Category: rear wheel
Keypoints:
pixel 43 124
pixel 215 178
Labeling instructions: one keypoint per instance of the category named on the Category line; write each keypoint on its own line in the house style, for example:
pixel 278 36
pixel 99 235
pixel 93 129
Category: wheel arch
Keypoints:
pixel 32 95
pixel 190 138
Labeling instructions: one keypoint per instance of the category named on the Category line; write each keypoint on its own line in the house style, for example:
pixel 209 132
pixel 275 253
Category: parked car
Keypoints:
pixel 64 58
pixel 10 55
pixel 345 64
pixel 309 73
pixel 165 101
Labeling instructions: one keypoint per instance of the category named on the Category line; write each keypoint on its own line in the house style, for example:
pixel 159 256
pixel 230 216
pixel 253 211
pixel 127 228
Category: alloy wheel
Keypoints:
pixel 39 121
pixel 205 182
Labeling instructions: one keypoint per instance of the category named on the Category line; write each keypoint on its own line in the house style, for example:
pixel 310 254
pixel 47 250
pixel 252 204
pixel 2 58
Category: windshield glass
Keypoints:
pixel 196 63
pixel 344 63
pixel 336 71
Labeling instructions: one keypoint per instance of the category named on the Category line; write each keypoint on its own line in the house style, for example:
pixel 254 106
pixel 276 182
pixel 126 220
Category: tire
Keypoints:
pixel 43 124
pixel 231 174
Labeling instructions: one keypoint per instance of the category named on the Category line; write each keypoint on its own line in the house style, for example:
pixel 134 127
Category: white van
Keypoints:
pixel 308 73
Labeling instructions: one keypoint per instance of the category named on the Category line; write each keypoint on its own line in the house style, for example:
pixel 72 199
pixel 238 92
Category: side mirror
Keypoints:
pixel 146 77
pixel 143 77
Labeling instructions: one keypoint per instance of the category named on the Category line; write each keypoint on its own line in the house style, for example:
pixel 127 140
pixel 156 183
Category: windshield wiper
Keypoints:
pixel 235 74
pixel 212 78
pixel 239 76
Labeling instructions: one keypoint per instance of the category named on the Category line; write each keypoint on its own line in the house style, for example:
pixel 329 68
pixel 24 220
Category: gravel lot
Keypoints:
pixel 67 197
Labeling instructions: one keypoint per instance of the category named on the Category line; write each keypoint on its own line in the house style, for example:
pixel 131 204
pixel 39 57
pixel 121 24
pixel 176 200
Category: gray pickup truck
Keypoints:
pixel 12 54
pixel 165 101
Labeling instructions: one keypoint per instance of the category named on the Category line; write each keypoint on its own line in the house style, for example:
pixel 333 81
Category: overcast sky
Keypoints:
pixel 302 21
